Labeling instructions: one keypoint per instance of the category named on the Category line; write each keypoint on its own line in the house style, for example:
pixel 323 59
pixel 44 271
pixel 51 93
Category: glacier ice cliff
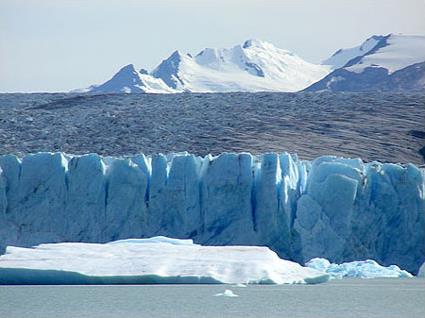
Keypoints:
pixel 336 208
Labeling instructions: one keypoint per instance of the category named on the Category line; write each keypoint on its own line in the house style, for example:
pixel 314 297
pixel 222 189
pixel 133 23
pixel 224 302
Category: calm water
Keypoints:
pixel 347 298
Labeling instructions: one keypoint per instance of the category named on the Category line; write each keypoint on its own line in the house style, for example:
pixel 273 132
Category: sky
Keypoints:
pixel 60 45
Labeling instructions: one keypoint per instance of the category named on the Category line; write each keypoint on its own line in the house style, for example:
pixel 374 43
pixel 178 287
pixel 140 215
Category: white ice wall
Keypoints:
pixel 340 209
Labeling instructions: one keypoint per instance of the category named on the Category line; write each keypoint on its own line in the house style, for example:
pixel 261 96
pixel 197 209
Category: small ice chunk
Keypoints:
pixel 227 293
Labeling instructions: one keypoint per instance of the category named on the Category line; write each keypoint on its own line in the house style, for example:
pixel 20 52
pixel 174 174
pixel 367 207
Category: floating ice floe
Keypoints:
pixel 357 269
pixel 157 260
pixel 227 293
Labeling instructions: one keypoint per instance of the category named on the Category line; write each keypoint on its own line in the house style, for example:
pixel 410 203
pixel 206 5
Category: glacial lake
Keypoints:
pixel 339 298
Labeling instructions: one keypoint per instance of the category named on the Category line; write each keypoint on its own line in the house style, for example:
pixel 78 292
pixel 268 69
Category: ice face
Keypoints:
pixel 357 269
pixel 336 208
pixel 154 260
pixel 421 272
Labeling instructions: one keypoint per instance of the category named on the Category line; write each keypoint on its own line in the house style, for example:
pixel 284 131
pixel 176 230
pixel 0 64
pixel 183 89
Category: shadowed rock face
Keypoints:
pixel 340 209
pixel 125 77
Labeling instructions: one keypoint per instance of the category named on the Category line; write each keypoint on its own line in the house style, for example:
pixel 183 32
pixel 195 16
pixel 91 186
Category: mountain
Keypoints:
pixel 253 66
pixel 129 80
pixel 341 57
pixel 381 63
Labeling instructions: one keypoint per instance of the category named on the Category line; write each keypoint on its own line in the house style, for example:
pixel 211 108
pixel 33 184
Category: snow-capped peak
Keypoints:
pixel 254 65
pixel 129 80
pixel 341 57
pixel 256 43
pixel 176 55
pixel 168 70
pixel 127 74
pixel 382 63
pixel 393 52
pixel 128 69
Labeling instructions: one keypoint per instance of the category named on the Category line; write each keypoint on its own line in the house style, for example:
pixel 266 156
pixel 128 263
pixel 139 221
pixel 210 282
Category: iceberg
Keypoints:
pixel 150 261
pixel 227 293
pixel 335 208
pixel 357 269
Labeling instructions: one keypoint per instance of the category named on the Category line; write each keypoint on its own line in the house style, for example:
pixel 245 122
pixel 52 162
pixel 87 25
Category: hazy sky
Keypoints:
pixel 59 45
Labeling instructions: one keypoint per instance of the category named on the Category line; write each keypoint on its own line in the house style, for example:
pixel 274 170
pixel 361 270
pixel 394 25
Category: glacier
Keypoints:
pixel 357 269
pixel 335 208
pixel 148 261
